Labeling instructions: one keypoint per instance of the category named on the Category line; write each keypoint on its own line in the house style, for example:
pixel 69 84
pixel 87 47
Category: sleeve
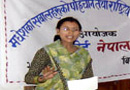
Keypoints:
pixel 88 71
pixel 40 61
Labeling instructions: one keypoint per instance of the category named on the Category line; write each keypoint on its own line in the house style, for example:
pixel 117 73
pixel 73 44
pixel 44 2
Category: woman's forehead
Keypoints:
pixel 69 23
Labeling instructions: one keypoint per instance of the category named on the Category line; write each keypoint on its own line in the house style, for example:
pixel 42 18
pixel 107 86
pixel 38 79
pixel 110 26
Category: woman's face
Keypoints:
pixel 69 32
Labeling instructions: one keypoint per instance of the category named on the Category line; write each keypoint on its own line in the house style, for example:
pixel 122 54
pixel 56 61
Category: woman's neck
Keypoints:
pixel 70 47
pixel 67 45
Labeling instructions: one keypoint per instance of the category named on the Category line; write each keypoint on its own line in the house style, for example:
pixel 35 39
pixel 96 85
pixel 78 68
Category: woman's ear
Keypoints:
pixel 57 31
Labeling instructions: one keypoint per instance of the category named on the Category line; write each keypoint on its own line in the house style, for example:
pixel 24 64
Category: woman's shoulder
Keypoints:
pixel 53 45
pixel 41 51
pixel 83 49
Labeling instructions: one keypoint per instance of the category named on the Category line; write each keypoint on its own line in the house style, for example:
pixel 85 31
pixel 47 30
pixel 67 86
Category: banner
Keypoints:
pixel 28 25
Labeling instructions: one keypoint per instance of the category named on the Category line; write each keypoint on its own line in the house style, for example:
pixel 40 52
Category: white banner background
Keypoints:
pixel 107 65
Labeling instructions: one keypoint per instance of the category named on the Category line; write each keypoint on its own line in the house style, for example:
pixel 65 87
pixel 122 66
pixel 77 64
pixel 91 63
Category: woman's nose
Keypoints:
pixel 70 31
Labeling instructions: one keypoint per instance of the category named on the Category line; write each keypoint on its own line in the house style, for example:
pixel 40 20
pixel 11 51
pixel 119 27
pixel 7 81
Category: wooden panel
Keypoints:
pixel 125 84
pixel 115 85
pixel 107 86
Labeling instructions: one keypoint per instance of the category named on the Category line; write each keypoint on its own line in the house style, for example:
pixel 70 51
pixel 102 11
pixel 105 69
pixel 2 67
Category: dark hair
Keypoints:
pixel 70 19
pixel 60 22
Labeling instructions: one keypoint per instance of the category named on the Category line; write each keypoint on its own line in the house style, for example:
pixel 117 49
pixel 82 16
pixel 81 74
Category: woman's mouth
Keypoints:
pixel 70 37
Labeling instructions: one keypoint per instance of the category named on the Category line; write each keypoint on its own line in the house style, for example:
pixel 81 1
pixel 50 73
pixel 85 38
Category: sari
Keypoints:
pixel 70 66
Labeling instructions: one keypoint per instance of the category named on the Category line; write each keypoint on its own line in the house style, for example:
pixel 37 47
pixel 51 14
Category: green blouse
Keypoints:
pixel 72 66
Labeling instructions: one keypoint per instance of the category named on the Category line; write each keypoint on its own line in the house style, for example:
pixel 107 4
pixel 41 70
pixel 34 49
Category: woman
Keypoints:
pixel 58 62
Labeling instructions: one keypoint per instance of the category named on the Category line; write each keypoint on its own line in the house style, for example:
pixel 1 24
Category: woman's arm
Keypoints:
pixel 40 61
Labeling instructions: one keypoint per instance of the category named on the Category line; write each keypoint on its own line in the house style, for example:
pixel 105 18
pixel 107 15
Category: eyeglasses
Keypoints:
pixel 66 29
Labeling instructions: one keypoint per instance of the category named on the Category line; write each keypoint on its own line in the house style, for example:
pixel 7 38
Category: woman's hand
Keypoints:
pixel 48 73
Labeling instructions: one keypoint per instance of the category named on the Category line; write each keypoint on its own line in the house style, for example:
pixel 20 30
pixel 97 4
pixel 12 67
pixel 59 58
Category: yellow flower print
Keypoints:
pixel 72 78
pixel 45 84
pixel 66 73
pixel 89 58
pixel 53 52
pixel 82 65
pixel 63 58
pixel 58 84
